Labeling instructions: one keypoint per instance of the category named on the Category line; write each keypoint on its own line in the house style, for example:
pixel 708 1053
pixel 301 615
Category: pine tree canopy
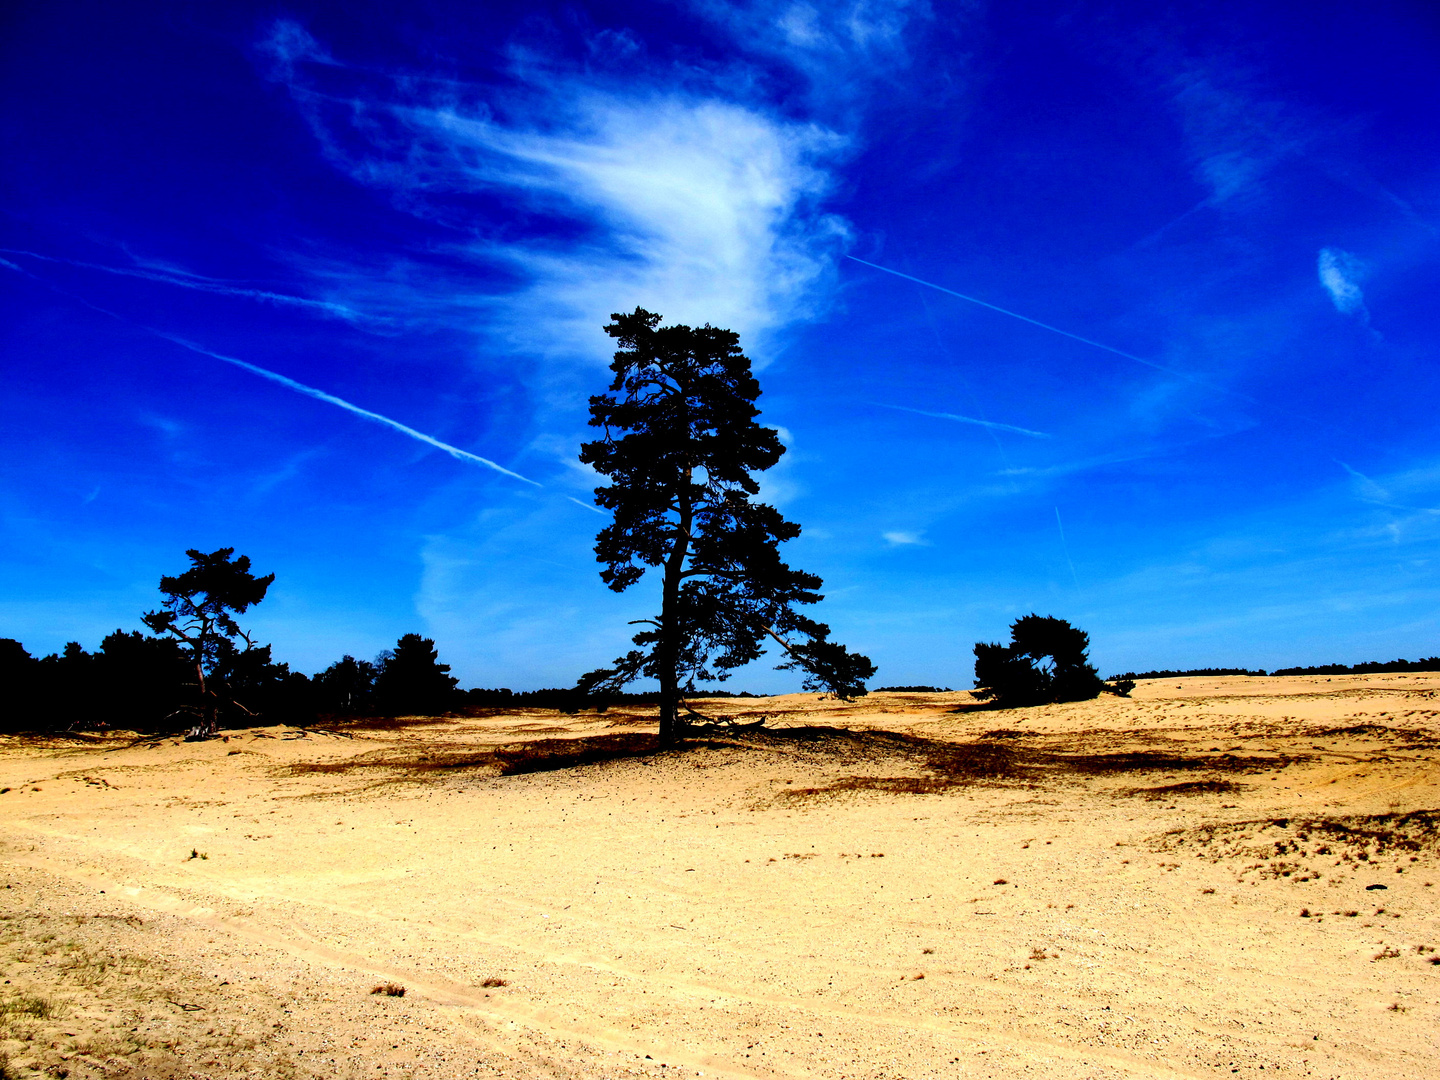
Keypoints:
pixel 199 603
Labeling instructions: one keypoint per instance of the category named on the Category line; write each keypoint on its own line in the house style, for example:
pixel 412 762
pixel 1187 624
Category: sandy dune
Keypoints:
pixel 1217 877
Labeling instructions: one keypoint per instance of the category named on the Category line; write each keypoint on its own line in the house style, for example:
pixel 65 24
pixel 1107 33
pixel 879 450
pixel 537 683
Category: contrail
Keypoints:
pixel 298 387
pixel 201 284
pixel 992 424
pixel 321 395
pixel 587 506
pixel 1026 318
pixel 1065 547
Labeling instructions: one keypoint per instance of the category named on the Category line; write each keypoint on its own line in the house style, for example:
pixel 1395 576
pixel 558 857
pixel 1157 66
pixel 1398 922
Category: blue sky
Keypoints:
pixel 325 283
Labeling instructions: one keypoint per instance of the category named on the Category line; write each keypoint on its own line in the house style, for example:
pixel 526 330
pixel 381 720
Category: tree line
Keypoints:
pixel 146 683
pixel 1368 667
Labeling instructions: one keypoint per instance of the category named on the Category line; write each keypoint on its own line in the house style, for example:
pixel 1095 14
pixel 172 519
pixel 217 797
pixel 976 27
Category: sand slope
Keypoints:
pixel 882 890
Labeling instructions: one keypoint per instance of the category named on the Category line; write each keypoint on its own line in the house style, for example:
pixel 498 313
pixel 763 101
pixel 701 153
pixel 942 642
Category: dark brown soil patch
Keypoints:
pixel 551 754
pixel 380 723
pixel 1189 787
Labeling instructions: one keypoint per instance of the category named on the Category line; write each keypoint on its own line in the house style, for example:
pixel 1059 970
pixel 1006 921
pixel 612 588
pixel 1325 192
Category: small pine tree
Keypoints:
pixel 199 612
pixel 411 681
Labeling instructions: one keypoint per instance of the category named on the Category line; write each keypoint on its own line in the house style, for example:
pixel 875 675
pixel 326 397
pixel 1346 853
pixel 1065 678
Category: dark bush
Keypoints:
pixel 1046 661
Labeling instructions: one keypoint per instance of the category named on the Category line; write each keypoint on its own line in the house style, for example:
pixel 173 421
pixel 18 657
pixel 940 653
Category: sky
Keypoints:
pixel 1122 313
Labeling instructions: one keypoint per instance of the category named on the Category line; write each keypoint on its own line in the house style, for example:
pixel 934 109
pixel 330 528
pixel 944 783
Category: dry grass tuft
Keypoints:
pixel 32 1005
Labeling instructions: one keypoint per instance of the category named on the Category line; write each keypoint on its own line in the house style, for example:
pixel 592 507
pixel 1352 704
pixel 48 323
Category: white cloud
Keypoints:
pixel 702 211
pixel 898 538
pixel 700 208
pixel 1340 276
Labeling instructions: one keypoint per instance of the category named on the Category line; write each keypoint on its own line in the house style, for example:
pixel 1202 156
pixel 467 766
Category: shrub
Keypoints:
pixel 1046 661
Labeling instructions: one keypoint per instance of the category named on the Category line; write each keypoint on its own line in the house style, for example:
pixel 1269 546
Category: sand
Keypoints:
pixel 1216 877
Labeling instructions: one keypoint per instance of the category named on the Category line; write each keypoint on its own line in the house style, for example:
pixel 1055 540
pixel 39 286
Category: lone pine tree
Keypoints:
pixel 680 449
pixel 199 611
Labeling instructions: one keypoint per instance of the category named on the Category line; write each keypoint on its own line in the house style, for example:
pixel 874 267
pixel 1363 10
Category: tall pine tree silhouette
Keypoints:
pixel 681 447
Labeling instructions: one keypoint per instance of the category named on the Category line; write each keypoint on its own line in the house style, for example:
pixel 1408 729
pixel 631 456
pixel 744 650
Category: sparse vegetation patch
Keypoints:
pixel 1348 839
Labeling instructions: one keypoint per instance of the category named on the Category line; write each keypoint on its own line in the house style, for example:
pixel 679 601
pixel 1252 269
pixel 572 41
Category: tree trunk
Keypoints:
pixel 669 644
pixel 207 700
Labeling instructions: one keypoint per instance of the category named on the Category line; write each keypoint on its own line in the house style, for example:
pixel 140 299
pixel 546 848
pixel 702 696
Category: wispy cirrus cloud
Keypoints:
pixel 1367 489
pixel 291 384
pixel 1070 468
pixel 643 193
pixel 1036 322
pixel 842 49
pixel 1415 482
pixel 1237 134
